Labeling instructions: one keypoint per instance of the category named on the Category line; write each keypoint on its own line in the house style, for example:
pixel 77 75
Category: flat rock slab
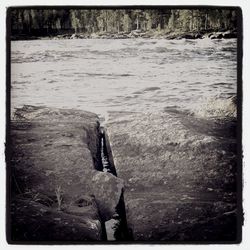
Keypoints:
pixel 179 173
pixel 54 160
pixel 53 149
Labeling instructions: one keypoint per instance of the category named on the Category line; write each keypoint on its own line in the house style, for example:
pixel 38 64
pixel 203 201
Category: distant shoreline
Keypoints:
pixel 225 34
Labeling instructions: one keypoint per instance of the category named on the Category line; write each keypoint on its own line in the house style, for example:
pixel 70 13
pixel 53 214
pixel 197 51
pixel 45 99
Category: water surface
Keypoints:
pixel 142 75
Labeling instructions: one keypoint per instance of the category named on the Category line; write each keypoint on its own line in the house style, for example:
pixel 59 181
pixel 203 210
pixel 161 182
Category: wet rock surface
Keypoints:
pixel 179 173
pixel 54 158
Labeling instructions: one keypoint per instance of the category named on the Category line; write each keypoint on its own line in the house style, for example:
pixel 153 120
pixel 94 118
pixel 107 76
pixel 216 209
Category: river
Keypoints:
pixel 105 75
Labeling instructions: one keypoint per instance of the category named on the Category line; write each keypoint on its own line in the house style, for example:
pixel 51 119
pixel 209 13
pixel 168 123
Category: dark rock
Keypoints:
pixel 55 155
pixel 186 35
pixel 219 36
pixel 210 34
pixel 229 34
pixel 107 190
pixel 33 221
pixel 76 36
pixel 179 173
pixel 198 36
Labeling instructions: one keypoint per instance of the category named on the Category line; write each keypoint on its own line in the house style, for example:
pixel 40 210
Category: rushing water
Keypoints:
pixel 122 75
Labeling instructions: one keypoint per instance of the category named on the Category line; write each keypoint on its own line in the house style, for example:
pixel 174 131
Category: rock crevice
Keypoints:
pixel 179 174
pixel 56 179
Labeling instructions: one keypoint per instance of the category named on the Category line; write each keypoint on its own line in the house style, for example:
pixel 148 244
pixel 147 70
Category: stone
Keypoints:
pixel 229 34
pixel 74 36
pixel 44 159
pixel 168 160
pixel 216 35
pixel 107 190
pixel 33 221
pixel 55 162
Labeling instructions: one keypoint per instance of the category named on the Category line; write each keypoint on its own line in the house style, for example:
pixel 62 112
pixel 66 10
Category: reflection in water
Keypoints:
pixel 122 75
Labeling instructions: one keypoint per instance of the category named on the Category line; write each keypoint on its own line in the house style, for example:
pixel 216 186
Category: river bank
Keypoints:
pixel 180 175
pixel 58 189
pixel 174 176
pixel 212 34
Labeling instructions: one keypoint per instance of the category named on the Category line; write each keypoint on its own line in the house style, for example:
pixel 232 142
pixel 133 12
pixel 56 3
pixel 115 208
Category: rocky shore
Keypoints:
pixel 58 189
pixel 176 177
pixel 140 34
pixel 180 176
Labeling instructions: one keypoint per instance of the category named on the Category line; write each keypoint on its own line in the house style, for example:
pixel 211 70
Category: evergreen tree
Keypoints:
pixel 52 21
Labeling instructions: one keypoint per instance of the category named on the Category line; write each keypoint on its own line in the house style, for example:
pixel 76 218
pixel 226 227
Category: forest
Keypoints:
pixel 49 22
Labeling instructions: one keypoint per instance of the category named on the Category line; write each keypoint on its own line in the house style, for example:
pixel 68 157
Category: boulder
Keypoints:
pixel 216 35
pixel 183 35
pixel 74 36
pixel 107 190
pixel 230 34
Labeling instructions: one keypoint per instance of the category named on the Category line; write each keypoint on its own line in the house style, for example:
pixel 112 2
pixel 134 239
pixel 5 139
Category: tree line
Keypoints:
pixel 59 21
